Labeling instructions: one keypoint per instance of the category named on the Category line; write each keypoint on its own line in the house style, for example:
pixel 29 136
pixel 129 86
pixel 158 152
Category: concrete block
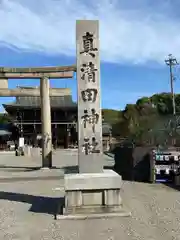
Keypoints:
pixel 27 151
pixel 87 181
pixel 92 198
pixel 73 198
pixel 93 193
pixel 122 213
pixel 113 197
pixel 35 152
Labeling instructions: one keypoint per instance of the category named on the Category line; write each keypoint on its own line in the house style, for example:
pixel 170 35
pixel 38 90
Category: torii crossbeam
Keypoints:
pixel 44 73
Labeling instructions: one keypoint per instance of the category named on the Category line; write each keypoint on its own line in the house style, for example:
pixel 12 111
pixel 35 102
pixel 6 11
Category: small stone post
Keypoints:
pixel 46 123
pixel 89 106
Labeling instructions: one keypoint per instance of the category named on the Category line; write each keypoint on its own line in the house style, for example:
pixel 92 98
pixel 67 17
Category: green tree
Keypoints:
pixel 144 118
pixel 4 118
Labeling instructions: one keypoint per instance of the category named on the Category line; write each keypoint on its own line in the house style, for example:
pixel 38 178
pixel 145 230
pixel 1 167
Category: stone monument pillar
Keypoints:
pixel 46 123
pixel 89 97
pixel 93 191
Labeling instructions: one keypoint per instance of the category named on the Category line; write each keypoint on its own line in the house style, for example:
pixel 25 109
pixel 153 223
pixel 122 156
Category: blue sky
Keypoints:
pixel 135 38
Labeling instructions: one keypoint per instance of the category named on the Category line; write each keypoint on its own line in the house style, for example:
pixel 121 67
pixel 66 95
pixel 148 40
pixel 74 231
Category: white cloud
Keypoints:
pixel 127 34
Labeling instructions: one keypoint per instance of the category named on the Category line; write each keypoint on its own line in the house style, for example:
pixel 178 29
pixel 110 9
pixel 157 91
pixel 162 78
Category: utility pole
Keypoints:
pixel 171 61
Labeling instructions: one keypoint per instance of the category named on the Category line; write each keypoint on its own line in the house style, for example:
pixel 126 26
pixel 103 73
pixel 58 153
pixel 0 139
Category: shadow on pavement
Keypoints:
pixel 111 155
pixel 23 169
pixel 75 169
pixel 109 167
pixel 39 204
pixel 71 169
pixel 173 186
pixel 18 168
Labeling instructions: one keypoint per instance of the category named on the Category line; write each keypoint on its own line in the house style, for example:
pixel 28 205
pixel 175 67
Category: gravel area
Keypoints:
pixel 27 209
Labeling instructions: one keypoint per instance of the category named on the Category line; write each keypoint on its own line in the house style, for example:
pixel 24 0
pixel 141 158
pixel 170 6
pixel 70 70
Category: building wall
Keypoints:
pixel 29 124
pixel 63 135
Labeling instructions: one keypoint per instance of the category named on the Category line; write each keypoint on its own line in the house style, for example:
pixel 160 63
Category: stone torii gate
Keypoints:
pixel 44 74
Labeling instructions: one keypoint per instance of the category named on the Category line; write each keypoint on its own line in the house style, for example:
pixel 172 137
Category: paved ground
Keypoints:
pixel 27 207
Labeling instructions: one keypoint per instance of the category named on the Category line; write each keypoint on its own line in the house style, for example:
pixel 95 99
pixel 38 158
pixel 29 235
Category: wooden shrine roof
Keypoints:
pixel 34 102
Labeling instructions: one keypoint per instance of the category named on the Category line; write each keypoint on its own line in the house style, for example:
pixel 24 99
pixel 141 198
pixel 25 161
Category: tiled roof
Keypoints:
pixel 32 102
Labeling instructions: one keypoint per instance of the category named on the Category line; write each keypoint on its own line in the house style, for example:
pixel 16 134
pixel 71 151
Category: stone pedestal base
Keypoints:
pixel 27 151
pixel 96 194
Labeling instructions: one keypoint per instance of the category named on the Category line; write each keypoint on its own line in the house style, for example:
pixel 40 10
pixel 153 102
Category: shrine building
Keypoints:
pixel 26 115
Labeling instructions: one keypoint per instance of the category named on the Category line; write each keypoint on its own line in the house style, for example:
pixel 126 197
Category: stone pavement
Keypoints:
pixel 13 168
pixel 27 207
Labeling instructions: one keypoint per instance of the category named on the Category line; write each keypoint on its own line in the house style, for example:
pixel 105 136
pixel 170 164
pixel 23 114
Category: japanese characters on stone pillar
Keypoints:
pixel 89 101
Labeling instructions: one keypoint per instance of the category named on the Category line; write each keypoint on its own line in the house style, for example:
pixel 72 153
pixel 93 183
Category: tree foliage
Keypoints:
pixel 148 115
pixel 4 118
pixel 111 116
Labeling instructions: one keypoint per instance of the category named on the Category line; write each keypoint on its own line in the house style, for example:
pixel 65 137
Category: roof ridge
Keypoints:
pixel 31 101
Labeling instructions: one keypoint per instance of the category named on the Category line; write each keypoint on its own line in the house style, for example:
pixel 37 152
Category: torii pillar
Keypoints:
pixel 46 123
pixel 44 73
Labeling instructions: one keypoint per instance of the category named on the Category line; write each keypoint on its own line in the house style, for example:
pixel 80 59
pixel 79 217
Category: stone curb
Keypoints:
pixel 93 216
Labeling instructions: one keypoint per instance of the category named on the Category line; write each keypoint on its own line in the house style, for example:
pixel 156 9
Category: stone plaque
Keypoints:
pixel 89 100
